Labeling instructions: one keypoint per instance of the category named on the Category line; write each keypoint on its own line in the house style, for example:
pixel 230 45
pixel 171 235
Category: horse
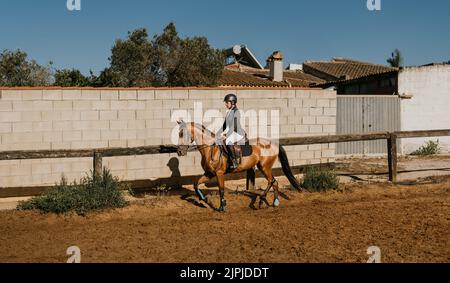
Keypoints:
pixel 214 162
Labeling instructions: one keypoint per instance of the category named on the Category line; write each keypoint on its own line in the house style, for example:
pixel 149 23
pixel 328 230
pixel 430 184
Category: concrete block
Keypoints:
pixel 11 95
pixel 307 103
pixel 127 115
pixel 171 104
pixel 72 136
pixel 52 137
pixel 117 143
pixel 70 115
pixel 127 134
pixel 23 106
pixel 82 105
pixel 163 94
pixel 41 169
pixel 323 103
pixel 55 94
pixel 136 105
pixel 180 94
pixel 118 125
pixel 43 126
pixel 304 94
pixel 89 115
pixel 119 105
pixel 31 95
pixel 127 95
pixel 328 111
pixel 5 128
pixel 10 116
pixel 109 135
pixel 326 120
pixel 6 106
pixel 109 94
pixel 101 105
pixel 87 94
pixel 91 135
pixel 22 127
pixel 32 116
pixel 71 94
pixel 145 94
pixel 316 111
pixel 62 125
pixel 154 124
pixel 108 115
pixel 315 129
pixel 309 120
pixel 154 104
pixel 144 114
pixel 42 105
pixel 62 106
pixel 136 124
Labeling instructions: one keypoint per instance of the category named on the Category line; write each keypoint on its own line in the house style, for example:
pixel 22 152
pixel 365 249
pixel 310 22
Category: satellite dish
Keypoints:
pixel 237 49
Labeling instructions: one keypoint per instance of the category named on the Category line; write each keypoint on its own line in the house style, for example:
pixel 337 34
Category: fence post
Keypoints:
pixel 98 167
pixel 392 157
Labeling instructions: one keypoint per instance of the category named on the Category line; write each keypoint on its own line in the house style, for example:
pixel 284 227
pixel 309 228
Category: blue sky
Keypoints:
pixel 301 29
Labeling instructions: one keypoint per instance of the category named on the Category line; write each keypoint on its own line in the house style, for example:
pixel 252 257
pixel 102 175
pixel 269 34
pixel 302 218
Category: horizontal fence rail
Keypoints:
pixel 98 154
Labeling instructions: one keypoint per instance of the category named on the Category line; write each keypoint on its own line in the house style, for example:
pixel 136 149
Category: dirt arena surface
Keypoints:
pixel 409 223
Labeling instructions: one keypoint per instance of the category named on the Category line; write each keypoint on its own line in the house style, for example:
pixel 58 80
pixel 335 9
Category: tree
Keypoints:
pixel 166 60
pixel 16 70
pixel 70 78
pixel 132 61
pixel 396 59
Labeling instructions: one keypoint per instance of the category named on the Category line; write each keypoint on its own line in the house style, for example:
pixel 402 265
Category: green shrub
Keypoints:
pixel 430 148
pixel 319 180
pixel 92 193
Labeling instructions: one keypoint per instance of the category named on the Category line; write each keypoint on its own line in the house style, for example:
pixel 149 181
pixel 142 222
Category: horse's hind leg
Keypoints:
pixel 272 182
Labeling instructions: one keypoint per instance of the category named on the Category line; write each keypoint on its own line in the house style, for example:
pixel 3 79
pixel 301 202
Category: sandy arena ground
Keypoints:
pixel 409 223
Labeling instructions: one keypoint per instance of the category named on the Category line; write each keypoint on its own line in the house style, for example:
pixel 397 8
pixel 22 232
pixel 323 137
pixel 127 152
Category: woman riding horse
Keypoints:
pixel 214 163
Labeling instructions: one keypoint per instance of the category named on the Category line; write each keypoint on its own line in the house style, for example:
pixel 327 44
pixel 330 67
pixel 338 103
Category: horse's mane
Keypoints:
pixel 204 129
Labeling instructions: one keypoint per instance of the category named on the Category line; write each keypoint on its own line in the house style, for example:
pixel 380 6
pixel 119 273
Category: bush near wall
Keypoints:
pixel 92 193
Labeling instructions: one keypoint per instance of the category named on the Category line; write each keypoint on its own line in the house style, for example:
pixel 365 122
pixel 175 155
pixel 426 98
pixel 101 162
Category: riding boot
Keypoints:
pixel 233 162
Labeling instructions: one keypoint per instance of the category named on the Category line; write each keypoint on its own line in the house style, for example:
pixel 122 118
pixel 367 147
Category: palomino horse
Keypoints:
pixel 264 155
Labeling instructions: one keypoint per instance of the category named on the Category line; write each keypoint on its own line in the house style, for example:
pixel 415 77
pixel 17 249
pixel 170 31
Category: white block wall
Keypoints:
pixel 34 119
pixel 429 107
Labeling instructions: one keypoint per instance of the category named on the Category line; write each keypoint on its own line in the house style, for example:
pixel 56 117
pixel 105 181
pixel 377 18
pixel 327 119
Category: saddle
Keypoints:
pixel 239 150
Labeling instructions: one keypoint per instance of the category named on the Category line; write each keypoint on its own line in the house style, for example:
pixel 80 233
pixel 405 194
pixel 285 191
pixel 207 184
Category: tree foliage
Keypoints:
pixel 166 60
pixel 17 70
pixel 396 59
pixel 71 78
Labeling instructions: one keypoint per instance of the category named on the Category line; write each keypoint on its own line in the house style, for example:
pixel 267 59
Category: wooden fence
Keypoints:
pixel 98 154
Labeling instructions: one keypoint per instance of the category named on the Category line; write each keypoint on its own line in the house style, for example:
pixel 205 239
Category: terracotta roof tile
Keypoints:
pixel 344 69
pixel 251 77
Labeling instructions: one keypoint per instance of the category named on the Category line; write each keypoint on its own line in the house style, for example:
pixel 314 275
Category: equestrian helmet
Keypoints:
pixel 230 97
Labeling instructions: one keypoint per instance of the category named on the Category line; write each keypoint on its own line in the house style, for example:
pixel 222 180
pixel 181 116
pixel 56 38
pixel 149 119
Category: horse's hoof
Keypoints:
pixel 276 203
pixel 221 209
pixel 252 207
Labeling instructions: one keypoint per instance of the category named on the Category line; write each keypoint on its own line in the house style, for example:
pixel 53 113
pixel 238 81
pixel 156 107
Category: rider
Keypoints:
pixel 231 132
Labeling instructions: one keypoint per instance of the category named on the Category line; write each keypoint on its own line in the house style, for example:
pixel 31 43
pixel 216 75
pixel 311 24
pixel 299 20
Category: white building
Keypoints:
pixel 429 105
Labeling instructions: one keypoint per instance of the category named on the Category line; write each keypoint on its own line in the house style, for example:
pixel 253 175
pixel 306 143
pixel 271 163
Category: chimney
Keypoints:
pixel 275 62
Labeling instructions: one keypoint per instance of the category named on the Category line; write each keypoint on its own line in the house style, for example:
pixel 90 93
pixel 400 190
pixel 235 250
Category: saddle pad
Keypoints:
pixel 246 150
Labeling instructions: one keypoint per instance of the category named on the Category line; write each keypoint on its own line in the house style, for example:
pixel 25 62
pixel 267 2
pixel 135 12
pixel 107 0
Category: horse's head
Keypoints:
pixel 184 138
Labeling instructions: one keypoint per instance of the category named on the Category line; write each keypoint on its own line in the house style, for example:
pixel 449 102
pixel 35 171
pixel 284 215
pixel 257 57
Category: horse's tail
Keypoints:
pixel 282 156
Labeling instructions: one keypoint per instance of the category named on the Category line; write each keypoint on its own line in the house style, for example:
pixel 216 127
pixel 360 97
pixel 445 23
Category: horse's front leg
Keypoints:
pixel 203 179
pixel 221 184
